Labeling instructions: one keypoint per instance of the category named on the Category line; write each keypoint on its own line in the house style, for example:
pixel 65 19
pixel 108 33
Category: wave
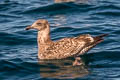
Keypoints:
pixel 13 39
pixel 55 7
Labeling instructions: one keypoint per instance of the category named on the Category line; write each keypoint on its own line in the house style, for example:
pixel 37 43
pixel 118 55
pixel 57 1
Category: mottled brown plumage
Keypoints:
pixel 64 48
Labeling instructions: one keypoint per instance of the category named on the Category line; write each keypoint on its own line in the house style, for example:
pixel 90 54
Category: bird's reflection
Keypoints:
pixel 62 69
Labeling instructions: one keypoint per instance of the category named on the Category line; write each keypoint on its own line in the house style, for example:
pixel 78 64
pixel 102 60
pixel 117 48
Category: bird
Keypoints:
pixel 64 48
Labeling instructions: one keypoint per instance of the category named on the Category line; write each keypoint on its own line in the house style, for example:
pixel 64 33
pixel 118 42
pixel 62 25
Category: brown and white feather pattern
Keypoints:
pixel 68 47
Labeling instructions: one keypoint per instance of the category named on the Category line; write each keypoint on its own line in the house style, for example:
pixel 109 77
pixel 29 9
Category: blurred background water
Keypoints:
pixel 18 48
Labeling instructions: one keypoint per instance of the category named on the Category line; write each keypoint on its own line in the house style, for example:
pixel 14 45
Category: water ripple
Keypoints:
pixel 18 48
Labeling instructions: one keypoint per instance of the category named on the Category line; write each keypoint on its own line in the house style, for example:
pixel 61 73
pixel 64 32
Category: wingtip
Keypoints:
pixel 104 35
pixel 99 37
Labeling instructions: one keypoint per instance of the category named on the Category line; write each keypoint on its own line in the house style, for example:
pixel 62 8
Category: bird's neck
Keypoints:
pixel 43 37
pixel 44 41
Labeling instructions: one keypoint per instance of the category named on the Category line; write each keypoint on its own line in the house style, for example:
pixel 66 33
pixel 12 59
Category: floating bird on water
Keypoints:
pixel 63 48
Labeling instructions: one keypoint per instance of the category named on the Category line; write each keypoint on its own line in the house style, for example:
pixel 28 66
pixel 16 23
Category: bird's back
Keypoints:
pixel 67 47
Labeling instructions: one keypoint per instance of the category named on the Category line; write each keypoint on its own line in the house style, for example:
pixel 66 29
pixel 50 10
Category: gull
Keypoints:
pixel 65 47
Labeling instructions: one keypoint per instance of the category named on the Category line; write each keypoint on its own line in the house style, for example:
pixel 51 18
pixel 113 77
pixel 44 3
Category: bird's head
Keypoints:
pixel 39 25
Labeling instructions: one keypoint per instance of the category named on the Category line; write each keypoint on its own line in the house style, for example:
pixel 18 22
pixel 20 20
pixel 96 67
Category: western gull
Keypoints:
pixel 63 48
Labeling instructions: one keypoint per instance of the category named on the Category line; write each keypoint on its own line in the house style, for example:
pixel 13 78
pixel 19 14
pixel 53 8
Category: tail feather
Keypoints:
pixel 97 40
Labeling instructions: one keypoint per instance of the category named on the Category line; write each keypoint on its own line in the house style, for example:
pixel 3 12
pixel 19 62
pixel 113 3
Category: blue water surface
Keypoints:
pixel 18 48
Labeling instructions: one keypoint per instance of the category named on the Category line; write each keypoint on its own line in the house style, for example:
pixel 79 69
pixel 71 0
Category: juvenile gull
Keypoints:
pixel 63 48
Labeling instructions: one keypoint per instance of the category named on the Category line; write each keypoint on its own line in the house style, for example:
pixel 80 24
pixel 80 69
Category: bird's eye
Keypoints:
pixel 39 24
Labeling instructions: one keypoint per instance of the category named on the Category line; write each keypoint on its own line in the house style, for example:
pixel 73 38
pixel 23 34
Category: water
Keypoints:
pixel 18 48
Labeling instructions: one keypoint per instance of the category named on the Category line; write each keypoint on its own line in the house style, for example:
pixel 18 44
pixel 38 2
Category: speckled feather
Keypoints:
pixel 66 47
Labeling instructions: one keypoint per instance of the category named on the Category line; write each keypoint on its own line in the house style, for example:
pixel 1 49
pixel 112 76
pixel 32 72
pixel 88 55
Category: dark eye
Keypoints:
pixel 39 24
